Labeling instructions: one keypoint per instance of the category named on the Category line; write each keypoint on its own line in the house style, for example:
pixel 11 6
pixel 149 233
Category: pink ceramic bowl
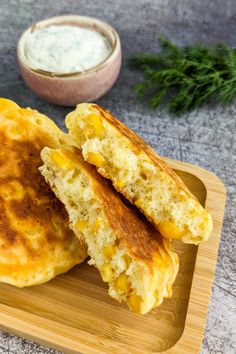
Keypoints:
pixel 70 89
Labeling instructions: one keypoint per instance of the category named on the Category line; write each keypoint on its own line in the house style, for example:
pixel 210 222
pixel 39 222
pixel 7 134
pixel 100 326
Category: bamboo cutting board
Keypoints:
pixel 73 312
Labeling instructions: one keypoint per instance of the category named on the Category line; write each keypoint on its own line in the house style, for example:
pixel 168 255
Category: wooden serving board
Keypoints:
pixel 74 314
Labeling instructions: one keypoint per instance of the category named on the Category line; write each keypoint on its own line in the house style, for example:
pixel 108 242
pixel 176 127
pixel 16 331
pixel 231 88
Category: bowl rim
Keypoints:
pixel 85 21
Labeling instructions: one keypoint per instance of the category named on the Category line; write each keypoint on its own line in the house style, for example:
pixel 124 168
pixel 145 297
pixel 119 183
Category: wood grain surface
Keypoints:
pixel 73 312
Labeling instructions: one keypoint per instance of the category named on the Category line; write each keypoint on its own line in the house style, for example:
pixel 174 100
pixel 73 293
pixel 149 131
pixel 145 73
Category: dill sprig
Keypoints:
pixel 187 77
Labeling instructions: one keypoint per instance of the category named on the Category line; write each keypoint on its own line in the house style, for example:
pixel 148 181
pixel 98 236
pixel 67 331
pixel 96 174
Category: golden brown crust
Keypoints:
pixel 38 205
pixel 138 146
pixel 33 222
pixel 130 226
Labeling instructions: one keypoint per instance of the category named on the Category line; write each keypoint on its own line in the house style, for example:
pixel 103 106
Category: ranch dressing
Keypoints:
pixel 66 49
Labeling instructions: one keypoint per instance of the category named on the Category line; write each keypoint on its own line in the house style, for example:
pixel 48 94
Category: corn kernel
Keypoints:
pixel 61 160
pixel 134 302
pixel 169 230
pixel 81 225
pixel 95 129
pixel 120 184
pixel 106 273
pixel 95 159
pixel 127 259
pixel 138 202
pixel 108 251
pixel 158 260
pixel 97 225
pixel 122 283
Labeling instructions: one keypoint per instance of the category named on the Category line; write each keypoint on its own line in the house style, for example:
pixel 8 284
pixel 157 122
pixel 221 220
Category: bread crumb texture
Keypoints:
pixel 130 254
pixel 139 174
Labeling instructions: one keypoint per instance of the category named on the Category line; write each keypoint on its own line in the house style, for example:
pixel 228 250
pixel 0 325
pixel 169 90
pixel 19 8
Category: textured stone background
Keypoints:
pixel 206 137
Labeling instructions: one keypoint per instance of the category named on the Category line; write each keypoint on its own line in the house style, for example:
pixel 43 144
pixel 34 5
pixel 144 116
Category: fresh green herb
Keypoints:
pixel 188 77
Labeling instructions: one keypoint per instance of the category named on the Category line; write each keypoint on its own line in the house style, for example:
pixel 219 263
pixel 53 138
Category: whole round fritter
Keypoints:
pixel 36 243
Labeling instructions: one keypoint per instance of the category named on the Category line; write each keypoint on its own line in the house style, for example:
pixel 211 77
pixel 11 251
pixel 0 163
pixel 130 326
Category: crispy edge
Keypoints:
pixel 138 146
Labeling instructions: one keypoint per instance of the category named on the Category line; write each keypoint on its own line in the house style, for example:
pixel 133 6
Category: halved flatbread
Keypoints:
pixel 139 174
pixel 133 258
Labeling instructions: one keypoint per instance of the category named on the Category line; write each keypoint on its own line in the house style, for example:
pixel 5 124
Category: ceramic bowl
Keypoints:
pixel 70 89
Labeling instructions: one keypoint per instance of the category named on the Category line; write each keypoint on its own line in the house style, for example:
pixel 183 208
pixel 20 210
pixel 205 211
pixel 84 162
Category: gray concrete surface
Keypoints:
pixel 206 137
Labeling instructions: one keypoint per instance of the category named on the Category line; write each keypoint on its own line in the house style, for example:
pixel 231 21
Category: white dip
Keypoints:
pixel 66 49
